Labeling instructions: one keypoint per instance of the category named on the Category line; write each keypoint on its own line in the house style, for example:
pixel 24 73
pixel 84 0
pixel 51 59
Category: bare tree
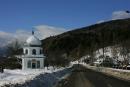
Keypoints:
pixel 14 48
pixel 115 52
pixel 124 52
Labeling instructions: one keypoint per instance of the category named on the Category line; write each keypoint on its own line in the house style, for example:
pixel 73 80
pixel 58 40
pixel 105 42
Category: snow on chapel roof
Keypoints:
pixel 33 40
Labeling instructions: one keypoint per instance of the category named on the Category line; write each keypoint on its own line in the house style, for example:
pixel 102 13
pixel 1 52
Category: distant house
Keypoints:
pixel 33 57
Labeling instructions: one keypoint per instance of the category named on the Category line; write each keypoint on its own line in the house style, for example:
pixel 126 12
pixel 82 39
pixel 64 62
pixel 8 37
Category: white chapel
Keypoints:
pixel 33 57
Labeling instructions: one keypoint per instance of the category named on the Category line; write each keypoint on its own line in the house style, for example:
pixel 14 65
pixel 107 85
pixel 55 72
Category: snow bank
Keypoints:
pixel 47 79
pixel 20 76
pixel 119 73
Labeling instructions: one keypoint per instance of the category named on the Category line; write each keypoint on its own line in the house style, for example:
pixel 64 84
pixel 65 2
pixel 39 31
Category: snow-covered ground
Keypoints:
pixel 20 76
pixel 119 73
pixel 48 78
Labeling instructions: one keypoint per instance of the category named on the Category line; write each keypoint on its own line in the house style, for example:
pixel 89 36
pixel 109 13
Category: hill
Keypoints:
pixel 74 44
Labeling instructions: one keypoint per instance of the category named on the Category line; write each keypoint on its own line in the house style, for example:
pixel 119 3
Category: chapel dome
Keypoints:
pixel 33 40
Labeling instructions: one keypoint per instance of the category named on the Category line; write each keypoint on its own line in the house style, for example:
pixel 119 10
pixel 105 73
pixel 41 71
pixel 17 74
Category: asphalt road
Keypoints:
pixel 82 77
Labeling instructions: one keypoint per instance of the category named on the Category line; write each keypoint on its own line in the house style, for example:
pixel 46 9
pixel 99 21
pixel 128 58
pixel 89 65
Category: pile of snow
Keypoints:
pixel 118 73
pixel 21 76
pixel 46 79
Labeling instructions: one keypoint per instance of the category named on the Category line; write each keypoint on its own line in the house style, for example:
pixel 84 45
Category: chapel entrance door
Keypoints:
pixel 33 65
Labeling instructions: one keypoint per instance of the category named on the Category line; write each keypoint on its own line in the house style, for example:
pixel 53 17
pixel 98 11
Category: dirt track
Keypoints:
pixel 82 77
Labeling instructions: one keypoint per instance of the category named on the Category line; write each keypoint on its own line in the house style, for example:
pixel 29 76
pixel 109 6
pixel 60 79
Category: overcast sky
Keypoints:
pixel 52 17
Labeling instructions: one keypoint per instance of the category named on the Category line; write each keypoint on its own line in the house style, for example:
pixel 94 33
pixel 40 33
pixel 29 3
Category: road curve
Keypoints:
pixel 82 77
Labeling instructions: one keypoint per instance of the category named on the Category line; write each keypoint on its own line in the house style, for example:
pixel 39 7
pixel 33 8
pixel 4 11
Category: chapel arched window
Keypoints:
pixel 26 51
pixel 34 51
pixel 40 51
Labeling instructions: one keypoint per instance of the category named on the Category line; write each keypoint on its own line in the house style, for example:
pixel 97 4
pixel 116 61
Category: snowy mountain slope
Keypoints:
pixel 112 52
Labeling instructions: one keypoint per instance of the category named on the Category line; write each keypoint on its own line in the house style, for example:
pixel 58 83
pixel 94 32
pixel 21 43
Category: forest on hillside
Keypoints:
pixel 74 44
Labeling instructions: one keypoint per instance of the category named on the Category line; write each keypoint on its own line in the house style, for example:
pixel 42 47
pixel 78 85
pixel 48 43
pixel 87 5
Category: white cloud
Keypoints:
pixel 117 15
pixel 44 31
pixel 41 31
pixel 101 21
pixel 5 38
pixel 21 34
pixel 120 15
